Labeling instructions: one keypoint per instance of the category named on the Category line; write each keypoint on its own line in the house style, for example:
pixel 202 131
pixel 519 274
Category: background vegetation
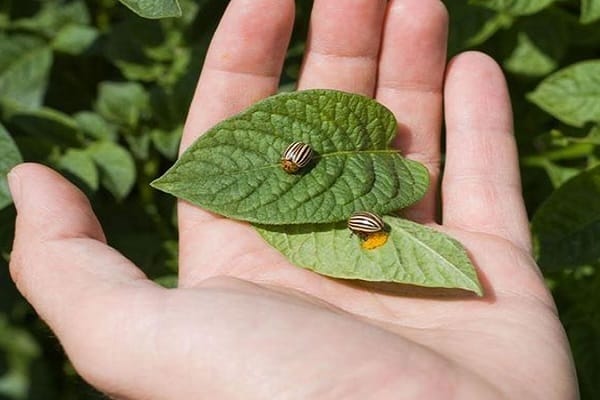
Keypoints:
pixel 99 93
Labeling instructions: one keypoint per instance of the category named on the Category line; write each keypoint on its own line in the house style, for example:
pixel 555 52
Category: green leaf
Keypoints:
pixel 154 8
pixel 48 124
pixel 571 94
pixel 117 168
pixel 414 254
pixel 559 174
pixel 566 227
pixel 24 68
pixel 9 157
pixel 590 11
pixel 167 142
pixel 74 39
pixel 470 25
pixel 94 126
pixel 127 47
pixel 81 167
pixel 124 103
pixel 234 168
pixel 538 49
pixel 514 7
pixel 53 16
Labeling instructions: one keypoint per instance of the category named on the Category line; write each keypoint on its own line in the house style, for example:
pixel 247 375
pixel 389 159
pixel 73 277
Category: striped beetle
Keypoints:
pixel 364 223
pixel 297 155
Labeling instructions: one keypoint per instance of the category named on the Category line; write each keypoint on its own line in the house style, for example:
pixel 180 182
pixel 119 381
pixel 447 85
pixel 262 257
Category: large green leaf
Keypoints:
pixel 117 168
pixel 590 11
pixel 234 168
pixel 571 94
pixel 514 7
pixel 414 254
pixel 566 227
pixel 24 68
pixel 154 8
pixel 9 157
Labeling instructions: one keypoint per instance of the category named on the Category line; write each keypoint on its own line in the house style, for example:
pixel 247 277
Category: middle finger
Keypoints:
pixel 343 45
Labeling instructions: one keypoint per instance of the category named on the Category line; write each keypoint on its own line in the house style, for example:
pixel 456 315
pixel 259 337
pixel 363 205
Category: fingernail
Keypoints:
pixel 14 185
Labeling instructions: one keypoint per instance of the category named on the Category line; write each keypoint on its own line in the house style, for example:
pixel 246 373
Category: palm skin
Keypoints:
pixel 246 324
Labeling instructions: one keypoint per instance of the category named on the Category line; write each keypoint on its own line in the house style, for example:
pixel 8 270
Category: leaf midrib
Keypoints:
pixel 328 155
pixel 435 253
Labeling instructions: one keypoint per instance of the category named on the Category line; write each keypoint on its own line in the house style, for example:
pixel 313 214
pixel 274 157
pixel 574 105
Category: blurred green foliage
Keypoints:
pixel 100 94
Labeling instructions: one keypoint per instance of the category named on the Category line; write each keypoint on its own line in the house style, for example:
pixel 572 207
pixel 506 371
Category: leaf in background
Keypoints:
pixel 21 350
pixel 78 164
pixel 126 46
pixel 154 8
pixel 590 11
pixel 414 254
pixel 559 174
pixel 117 168
pixel 571 94
pixel 234 168
pixel 74 39
pixel 566 227
pixel 9 157
pixel 48 124
pixel 514 7
pixel 54 15
pixel 167 142
pixel 471 25
pixel 25 64
pixel 94 126
pixel 538 49
pixel 123 103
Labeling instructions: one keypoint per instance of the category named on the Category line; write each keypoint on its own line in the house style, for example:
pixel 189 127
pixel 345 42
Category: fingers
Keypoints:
pixel 242 66
pixel 411 74
pixel 343 45
pixel 481 188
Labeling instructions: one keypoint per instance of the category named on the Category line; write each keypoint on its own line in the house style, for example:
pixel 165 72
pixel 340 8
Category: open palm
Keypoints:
pixel 244 323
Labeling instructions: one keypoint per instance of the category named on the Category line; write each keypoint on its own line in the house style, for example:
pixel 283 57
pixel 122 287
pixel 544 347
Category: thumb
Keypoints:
pixel 62 265
pixel 59 245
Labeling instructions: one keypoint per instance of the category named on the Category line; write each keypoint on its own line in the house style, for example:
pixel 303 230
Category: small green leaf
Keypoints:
pixel 571 94
pixel 95 127
pixel 234 168
pixel 590 11
pixel 514 7
pixel 80 165
pixel 9 157
pixel 154 8
pixel 74 39
pixel 566 227
pixel 117 168
pixel 538 50
pixel 414 254
pixel 559 174
pixel 25 63
pixel 123 103
pixel 167 142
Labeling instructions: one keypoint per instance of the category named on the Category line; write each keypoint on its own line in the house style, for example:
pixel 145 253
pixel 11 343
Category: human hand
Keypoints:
pixel 244 323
